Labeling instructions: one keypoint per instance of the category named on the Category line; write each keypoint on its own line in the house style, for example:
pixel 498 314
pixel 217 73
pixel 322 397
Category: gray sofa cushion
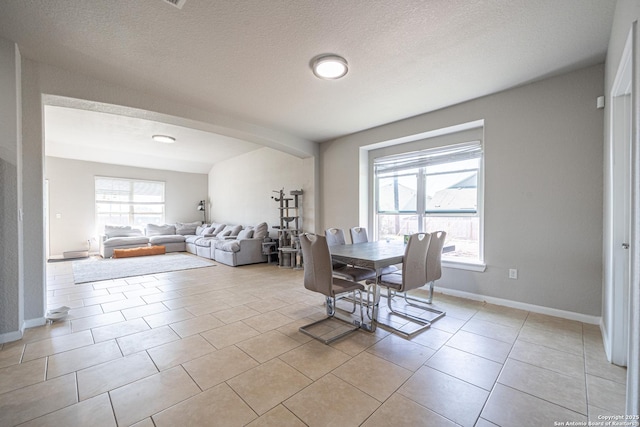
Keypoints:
pixel 160 230
pixel 121 231
pixel 169 238
pixel 215 229
pixel 200 230
pixel 228 245
pixel 205 241
pixel 230 231
pixel 261 231
pixel 130 240
pixel 247 233
pixel 187 228
pixel 192 239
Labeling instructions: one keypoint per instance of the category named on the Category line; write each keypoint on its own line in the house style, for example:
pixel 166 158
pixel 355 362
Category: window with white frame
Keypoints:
pixel 131 202
pixel 431 190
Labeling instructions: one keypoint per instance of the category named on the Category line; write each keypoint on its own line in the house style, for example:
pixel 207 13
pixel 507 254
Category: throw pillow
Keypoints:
pixel 160 230
pixel 218 228
pixel 261 231
pixel 247 233
pixel 117 230
pixel 188 228
pixel 235 230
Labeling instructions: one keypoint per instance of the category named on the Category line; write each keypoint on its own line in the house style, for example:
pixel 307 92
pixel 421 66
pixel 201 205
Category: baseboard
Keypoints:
pixel 605 340
pixel 10 336
pixel 32 323
pixel 584 318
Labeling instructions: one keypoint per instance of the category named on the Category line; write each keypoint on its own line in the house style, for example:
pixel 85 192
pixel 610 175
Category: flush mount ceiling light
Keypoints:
pixel 165 139
pixel 329 67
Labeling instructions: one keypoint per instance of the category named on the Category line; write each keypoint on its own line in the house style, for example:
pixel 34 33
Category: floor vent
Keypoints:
pixel 176 3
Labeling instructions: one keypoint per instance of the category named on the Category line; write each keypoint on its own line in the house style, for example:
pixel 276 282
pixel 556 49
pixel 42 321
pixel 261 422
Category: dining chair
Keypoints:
pixel 414 275
pixel 335 237
pixel 318 277
pixel 358 235
pixel 434 265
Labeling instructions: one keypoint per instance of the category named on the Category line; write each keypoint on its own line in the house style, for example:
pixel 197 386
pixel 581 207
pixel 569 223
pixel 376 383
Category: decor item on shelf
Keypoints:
pixel 289 230
pixel 203 207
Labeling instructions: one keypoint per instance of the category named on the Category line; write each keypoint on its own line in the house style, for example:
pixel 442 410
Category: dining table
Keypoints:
pixel 374 255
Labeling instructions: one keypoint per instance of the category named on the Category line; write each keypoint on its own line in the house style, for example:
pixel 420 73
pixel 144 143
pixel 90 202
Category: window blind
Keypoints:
pixel 430 157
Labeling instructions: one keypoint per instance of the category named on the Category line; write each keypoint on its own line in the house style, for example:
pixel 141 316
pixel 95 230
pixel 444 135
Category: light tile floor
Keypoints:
pixel 220 346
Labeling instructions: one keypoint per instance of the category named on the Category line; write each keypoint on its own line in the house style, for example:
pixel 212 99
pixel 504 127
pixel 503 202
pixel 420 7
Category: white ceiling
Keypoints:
pixel 249 59
pixel 117 139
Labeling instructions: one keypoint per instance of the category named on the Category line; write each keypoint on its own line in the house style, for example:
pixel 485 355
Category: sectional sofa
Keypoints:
pixel 232 245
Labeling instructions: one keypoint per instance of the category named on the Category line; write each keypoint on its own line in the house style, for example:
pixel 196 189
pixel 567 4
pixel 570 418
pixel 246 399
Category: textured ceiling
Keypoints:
pixel 249 59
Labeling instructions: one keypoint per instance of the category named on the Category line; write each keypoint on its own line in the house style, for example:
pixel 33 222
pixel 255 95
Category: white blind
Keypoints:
pixel 429 157
pixel 120 190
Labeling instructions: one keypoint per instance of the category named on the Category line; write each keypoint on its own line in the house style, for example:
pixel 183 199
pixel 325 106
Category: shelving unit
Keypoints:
pixel 289 253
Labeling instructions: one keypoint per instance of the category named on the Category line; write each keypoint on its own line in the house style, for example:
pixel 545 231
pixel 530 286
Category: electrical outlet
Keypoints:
pixel 513 273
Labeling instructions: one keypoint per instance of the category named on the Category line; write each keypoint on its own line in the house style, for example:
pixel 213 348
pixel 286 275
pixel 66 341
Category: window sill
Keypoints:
pixel 464 265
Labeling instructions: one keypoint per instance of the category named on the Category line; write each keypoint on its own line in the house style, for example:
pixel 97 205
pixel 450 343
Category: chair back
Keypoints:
pixel 434 256
pixel 358 235
pixel 317 263
pixel 414 264
pixel 335 236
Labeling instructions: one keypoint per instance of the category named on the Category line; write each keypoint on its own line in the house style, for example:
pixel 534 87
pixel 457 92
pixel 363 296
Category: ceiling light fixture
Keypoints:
pixel 165 139
pixel 329 67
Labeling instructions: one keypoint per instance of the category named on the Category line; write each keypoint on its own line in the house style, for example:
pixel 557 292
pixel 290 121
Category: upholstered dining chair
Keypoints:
pixel 318 277
pixel 358 235
pixel 335 237
pixel 434 263
pixel 414 275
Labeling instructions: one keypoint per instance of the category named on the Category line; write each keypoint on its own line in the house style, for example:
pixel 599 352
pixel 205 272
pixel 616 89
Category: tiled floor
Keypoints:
pixel 220 346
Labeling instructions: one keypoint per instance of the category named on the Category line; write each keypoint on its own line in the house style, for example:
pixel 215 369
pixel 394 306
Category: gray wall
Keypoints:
pixel 72 195
pixel 10 226
pixel 543 189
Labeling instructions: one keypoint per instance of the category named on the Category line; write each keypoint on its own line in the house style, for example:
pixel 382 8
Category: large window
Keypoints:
pixel 431 190
pixel 128 202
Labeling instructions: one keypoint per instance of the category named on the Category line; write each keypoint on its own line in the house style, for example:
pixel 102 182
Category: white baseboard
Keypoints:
pixel 32 323
pixel 10 336
pixel 584 318
pixel 605 340
pixel 16 335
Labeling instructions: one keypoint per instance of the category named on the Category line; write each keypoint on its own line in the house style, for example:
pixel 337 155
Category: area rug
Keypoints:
pixel 97 269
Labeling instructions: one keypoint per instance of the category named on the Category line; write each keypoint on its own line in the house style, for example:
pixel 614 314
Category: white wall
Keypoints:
pixel 543 189
pixel 72 196
pixel 241 189
pixel 626 15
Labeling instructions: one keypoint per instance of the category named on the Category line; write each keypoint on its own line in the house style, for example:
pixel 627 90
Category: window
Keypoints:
pixel 122 201
pixel 431 190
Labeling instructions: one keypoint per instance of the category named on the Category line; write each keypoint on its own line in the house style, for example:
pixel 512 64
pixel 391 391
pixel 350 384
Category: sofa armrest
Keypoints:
pixel 250 251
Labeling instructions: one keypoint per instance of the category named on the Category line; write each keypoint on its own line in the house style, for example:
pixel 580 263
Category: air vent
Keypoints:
pixel 176 3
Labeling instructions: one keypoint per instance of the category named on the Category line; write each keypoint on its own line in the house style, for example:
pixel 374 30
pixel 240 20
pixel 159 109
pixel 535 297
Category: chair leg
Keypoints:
pixel 429 300
pixel 424 323
pixel 331 314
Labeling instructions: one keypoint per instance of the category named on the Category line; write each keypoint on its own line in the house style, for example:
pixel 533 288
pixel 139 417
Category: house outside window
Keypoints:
pixel 431 190
pixel 121 201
